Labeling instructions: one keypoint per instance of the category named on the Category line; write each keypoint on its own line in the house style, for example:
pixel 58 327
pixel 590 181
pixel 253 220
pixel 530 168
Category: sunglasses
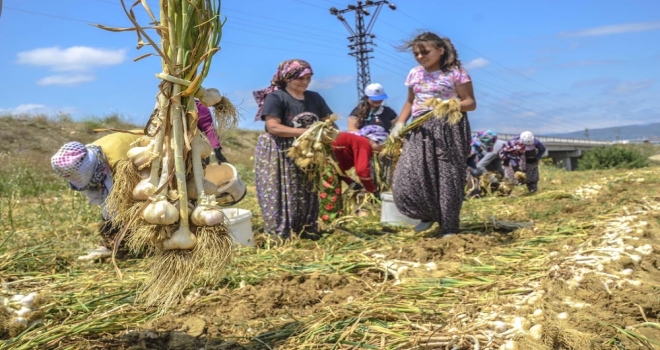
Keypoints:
pixel 423 53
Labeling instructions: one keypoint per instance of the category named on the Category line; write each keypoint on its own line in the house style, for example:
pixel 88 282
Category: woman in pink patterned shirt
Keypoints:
pixel 429 178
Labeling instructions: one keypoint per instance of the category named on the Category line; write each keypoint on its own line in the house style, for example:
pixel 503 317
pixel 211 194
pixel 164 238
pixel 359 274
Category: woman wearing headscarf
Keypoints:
pixel 521 154
pixel 89 169
pixel 288 202
pixel 483 159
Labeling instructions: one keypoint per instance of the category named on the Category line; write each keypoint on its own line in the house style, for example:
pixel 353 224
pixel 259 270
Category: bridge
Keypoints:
pixel 563 151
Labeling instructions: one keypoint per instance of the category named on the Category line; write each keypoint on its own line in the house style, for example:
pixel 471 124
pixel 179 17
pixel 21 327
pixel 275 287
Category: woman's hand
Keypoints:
pixel 275 127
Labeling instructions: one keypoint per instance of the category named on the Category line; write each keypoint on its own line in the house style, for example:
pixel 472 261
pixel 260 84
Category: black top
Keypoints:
pixel 380 116
pixel 293 112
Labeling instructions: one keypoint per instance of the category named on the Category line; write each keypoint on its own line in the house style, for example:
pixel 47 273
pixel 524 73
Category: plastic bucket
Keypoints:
pixel 390 215
pixel 231 188
pixel 240 225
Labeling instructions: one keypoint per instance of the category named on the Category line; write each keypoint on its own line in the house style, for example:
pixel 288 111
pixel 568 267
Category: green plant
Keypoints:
pixel 612 157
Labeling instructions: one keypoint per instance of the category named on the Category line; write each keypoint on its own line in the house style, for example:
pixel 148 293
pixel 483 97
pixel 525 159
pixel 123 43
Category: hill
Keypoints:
pixel 34 139
pixel 624 132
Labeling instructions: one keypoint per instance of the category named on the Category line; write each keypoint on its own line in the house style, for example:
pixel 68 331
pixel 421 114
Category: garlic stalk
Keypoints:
pixel 147 187
pixel 182 238
pixel 206 213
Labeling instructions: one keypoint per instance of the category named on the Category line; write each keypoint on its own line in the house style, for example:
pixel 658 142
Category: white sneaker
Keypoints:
pixel 423 226
pixel 98 253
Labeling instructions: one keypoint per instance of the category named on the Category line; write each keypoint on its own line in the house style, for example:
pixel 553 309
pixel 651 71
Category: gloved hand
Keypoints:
pixel 475 172
pixel 218 155
pixel 396 130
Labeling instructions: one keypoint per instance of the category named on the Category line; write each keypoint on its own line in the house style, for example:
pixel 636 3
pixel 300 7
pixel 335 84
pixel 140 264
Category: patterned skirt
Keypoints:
pixel 287 200
pixel 429 178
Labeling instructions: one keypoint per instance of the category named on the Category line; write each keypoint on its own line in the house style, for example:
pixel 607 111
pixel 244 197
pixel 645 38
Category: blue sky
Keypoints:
pixel 549 66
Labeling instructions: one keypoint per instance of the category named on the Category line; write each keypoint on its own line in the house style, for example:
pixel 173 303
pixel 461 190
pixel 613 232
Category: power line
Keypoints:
pixel 361 37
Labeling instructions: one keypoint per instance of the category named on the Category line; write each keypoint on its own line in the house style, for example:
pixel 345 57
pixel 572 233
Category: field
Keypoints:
pixel 574 266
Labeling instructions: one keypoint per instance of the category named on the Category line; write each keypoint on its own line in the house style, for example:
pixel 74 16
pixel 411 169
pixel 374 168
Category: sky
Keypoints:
pixel 548 66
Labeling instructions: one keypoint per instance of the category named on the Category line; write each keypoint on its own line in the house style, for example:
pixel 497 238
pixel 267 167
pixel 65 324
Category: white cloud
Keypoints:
pixel 25 109
pixel 631 87
pixel 75 58
pixel 614 29
pixel 68 80
pixel 477 63
pixel 329 82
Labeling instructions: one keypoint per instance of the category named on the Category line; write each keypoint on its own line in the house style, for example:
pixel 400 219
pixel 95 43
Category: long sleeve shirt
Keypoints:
pixel 353 150
pixel 205 124
pixel 491 160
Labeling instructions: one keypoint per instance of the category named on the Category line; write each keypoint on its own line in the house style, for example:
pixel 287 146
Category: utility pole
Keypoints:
pixel 361 37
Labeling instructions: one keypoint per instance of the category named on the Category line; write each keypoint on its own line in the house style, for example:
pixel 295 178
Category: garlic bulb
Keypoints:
pixel 160 212
pixel 143 190
pixel 207 216
pixel 141 155
pixel 23 311
pixel 28 299
pixel 181 239
pixel 209 97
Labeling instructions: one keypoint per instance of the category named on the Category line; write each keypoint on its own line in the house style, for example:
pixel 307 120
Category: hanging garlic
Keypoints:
pixel 143 190
pixel 160 212
pixel 182 238
pixel 209 97
pixel 140 156
pixel 207 216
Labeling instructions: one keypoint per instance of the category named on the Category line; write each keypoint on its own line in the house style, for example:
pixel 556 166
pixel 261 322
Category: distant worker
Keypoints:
pixel 484 161
pixel 372 111
pixel 522 154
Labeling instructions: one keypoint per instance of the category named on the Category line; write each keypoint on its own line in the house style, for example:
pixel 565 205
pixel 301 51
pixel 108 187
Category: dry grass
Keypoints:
pixel 357 298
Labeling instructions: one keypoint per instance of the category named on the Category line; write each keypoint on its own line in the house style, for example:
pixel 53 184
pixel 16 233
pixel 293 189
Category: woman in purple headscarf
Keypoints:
pixel 288 202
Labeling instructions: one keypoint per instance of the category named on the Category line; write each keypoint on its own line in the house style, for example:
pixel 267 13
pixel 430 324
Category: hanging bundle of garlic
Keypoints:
pixel 312 150
pixel 174 213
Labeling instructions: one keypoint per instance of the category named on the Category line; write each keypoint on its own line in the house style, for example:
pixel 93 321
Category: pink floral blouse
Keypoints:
pixel 437 84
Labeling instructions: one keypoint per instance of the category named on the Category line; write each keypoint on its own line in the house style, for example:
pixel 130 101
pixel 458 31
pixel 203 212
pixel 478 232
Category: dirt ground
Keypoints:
pixel 210 324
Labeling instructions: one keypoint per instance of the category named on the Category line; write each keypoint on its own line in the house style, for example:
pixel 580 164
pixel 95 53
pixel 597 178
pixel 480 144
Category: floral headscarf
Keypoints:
pixel 514 152
pixel 286 71
pixel 483 142
pixel 85 167
pixel 375 133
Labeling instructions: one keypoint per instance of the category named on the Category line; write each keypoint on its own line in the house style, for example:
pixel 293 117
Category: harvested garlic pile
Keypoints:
pixel 20 307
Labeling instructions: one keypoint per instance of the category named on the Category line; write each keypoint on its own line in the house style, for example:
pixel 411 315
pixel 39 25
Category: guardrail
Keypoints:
pixel 545 139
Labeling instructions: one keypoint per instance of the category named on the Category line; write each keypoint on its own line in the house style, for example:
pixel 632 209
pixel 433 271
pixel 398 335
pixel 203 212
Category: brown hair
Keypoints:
pixel 362 111
pixel 449 58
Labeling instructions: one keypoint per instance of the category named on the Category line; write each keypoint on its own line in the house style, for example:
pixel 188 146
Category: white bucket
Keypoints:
pixel 240 225
pixel 390 215
pixel 231 188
